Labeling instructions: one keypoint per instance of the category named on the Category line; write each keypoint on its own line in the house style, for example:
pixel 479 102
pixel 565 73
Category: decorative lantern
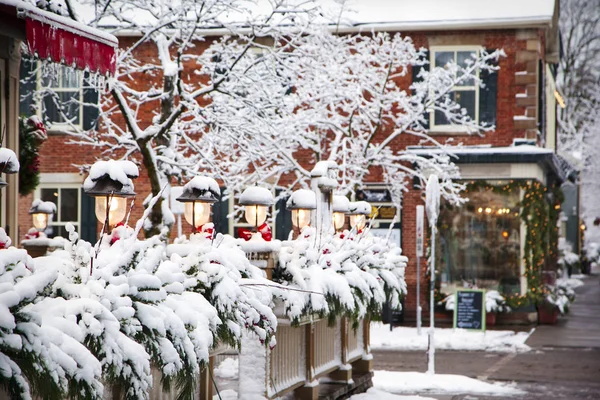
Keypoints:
pixel 301 202
pixel 341 206
pixel 41 212
pixel 359 211
pixel 256 201
pixel 8 164
pixel 199 195
pixel 110 183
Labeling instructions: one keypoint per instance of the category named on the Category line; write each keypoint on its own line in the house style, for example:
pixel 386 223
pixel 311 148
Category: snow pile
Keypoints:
pixel 8 161
pixel 119 171
pixel 417 382
pixel 407 339
pixel 256 195
pixel 376 394
pixel 39 206
pixel 344 274
pixel 302 198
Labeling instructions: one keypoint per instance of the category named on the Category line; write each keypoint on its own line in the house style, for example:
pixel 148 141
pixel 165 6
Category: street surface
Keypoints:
pixel 564 362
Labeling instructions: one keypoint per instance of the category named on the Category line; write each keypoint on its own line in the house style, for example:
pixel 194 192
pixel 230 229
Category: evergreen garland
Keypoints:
pixel 29 147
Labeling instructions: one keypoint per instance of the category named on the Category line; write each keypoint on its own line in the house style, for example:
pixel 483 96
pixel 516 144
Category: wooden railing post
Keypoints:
pixel 206 384
pixel 365 364
pixel 344 373
pixel 310 391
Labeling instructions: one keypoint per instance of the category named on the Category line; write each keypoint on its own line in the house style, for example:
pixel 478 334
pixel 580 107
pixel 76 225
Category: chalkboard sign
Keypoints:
pixel 469 309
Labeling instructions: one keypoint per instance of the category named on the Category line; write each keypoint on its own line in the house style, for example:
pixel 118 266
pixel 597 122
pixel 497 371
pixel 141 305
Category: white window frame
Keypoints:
pixel 59 126
pixel 433 127
pixel 61 184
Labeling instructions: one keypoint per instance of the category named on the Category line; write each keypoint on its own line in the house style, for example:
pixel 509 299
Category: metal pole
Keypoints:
pixel 418 294
pixel 431 354
pixel 420 244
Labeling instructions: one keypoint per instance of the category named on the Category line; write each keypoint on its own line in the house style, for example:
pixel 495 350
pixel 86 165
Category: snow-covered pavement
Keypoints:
pixel 407 339
pixel 418 382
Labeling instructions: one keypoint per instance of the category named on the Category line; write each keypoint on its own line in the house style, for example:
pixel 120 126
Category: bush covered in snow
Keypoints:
pixel 345 274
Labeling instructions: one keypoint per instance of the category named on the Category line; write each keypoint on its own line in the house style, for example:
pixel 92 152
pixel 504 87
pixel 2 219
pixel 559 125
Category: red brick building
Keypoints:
pixel 482 243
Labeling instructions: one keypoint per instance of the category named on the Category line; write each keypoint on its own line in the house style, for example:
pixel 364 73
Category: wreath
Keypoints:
pixel 32 134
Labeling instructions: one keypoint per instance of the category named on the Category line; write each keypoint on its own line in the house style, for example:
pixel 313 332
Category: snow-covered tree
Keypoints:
pixel 579 81
pixel 258 91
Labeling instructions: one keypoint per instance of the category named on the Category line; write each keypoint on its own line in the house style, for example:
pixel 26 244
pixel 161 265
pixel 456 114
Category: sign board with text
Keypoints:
pixel 469 309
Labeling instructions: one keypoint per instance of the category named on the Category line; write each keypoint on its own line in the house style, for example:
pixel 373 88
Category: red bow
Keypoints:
pixel 208 229
pixel 32 235
pixel 264 230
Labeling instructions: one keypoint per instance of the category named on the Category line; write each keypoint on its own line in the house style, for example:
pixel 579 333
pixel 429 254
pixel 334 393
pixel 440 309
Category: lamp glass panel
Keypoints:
pixel 339 218
pixel 40 221
pixel 197 213
pixel 358 221
pixel 116 210
pixel 256 215
pixel 300 218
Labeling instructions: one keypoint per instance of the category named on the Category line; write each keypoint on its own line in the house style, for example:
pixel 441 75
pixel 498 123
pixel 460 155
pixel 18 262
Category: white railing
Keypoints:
pixel 288 360
pixel 328 347
pixel 356 342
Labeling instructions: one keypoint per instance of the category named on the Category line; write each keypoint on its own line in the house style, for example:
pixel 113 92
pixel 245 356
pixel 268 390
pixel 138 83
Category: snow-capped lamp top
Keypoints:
pixel 9 164
pixel 322 168
pixel 201 188
pixel 256 195
pixel 341 204
pixel 359 208
pixel 432 199
pixel 111 177
pixel 302 198
pixel 42 207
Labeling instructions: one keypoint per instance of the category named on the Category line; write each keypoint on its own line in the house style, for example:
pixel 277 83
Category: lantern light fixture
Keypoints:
pixel 341 206
pixel 256 201
pixel 110 183
pixel 9 164
pixel 359 211
pixel 199 195
pixel 41 213
pixel 301 203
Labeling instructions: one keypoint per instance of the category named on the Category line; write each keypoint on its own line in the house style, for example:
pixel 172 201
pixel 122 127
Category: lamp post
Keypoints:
pixel 41 213
pixel 301 203
pixel 256 201
pixel 199 195
pixel 341 206
pixel 110 183
pixel 359 211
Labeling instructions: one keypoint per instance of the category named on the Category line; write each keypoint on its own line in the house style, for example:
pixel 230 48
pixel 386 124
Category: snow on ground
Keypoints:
pixel 228 369
pixel 404 338
pixel 376 394
pixel 419 382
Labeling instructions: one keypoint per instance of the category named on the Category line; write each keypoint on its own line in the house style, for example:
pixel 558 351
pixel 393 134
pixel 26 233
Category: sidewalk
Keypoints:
pixel 564 362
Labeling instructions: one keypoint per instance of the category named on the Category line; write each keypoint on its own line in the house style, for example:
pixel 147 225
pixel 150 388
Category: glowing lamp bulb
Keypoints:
pixel 339 218
pixel 505 234
pixel 40 221
pixel 358 222
pixel 196 213
pixel 116 210
pixel 300 218
pixel 255 215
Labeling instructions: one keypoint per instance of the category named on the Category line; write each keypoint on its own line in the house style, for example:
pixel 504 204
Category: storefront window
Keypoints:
pixel 479 242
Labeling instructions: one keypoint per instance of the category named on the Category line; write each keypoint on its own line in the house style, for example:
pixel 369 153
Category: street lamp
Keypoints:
pixel 8 164
pixel 110 183
pixel 341 206
pixel 41 212
pixel 359 211
pixel 256 201
pixel 301 202
pixel 199 195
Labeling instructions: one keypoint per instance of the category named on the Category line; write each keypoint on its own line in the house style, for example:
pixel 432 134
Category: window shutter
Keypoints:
pixel 283 221
pixel 90 100
pixel 416 69
pixel 220 211
pixel 487 95
pixel 87 218
pixel 28 85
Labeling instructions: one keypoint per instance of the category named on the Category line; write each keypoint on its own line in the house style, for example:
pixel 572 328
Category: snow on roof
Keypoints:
pixel 52 19
pixel 120 171
pixel 256 195
pixel 444 14
pixel 39 206
pixel 341 204
pixel 360 208
pixel 200 188
pixel 302 198
pixel 485 149
pixel 9 161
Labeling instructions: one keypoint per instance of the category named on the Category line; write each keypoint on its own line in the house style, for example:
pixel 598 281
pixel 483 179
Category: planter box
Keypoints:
pixel 490 319
pixel 517 318
pixel 548 315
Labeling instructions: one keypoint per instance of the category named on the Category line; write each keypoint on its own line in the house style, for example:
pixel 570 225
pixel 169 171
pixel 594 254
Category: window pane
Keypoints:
pixel 50 109
pixel 70 78
pixel 50 195
pixel 68 205
pixel 466 99
pixel 50 79
pixel 443 57
pixel 464 59
pixel 480 242
pixel 70 104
